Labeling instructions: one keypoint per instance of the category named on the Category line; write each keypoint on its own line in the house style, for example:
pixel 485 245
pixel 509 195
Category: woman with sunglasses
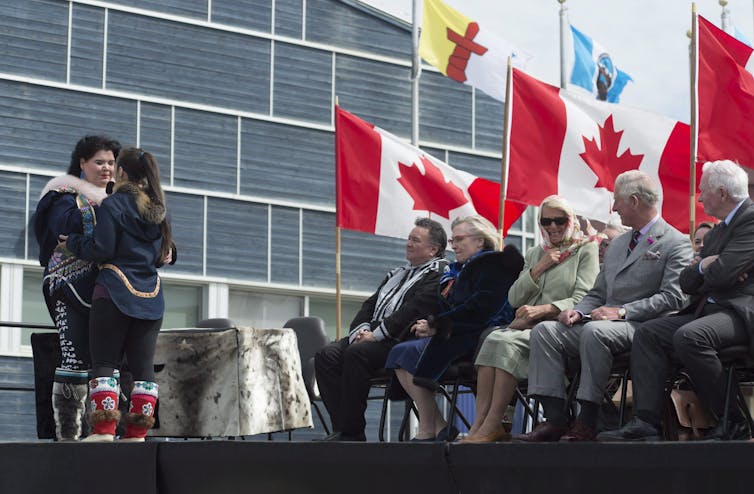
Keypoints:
pixel 556 275
pixel 473 297
pixel 131 240
pixel 69 204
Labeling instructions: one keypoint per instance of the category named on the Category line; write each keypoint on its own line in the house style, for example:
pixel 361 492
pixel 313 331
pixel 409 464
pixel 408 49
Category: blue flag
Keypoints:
pixel 594 69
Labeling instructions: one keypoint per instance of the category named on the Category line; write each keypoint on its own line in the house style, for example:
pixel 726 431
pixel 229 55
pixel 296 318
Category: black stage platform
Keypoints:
pixel 219 467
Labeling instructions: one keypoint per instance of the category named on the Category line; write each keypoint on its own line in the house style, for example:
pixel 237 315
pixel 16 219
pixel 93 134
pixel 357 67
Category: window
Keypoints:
pixel 183 305
pixel 34 309
pixel 262 310
pixel 325 308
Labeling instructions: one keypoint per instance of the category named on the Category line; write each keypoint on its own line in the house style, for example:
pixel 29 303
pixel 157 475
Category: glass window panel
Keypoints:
pixel 183 305
pixel 34 309
pixel 262 310
pixel 325 308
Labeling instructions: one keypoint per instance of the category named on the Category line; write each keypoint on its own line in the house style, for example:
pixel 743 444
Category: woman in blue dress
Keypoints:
pixel 473 296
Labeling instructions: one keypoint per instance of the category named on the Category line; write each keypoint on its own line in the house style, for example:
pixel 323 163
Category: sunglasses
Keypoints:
pixel 560 221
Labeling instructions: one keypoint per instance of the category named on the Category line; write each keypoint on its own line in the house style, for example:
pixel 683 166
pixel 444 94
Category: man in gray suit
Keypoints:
pixel 638 282
pixel 721 316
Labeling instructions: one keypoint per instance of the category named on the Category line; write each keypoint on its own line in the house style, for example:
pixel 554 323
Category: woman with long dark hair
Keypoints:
pixel 131 240
pixel 69 204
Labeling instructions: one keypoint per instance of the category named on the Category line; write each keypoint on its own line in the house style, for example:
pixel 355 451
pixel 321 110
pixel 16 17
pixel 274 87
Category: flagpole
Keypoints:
pixel 506 143
pixel 694 123
pixel 338 307
pixel 563 26
pixel 416 69
pixel 724 15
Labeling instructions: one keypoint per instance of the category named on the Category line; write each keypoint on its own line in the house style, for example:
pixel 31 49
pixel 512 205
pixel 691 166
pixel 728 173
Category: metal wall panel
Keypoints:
pixel 303 83
pixel 17 409
pixel 481 166
pixel 335 23
pixel 87 43
pixel 39 126
pixel 155 136
pixel 188 63
pixel 12 211
pixel 36 184
pixel 375 91
pixel 196 9
pixel 366 258
pixel 237 239
pixel 285 245
pixel 318 252
pixel 249 14
pixel 289 18
pixel 186 213
pixel 287 162
pixel 34 38
pixel 205 150
pixel 490 114
pixel 445 110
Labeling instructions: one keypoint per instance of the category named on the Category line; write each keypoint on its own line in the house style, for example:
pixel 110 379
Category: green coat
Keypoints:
pixel 563 285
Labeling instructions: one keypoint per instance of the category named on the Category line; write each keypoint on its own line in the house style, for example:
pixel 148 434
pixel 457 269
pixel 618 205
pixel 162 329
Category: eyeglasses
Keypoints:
pixel 457 239
pixel 103 162
pixel 560 221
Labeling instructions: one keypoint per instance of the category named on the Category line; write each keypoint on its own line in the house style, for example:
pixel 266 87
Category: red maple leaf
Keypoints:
pixel 430 191
pixel 605 162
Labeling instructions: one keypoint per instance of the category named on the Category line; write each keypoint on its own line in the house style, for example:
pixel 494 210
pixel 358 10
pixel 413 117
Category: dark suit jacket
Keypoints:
pixel 734 244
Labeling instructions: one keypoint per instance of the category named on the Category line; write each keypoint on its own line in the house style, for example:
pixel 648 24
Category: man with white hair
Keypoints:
pixel 720 316
pixel 638 282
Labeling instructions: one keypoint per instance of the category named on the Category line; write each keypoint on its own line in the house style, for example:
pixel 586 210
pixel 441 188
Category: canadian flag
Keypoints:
pixel 383 184
pixel 725 92
pixel 563 143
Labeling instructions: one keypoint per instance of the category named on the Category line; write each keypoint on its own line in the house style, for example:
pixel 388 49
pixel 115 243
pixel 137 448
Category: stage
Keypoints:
pixel 230 466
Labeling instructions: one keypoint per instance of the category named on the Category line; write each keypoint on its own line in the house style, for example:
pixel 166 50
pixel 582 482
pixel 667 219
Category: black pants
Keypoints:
pixel 343 372
pixel 692 341
pixel 72 321
pixel 113 334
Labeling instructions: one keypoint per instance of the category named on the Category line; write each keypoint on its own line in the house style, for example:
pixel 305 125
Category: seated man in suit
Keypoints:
pixel 343 368
pixel 638 281
pixel 722 314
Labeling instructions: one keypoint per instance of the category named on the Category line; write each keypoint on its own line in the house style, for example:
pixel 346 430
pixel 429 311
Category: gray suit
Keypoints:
pixel 645 283
pixel 696 335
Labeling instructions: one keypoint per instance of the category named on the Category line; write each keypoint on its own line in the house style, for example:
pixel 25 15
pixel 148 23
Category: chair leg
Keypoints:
pixel 623 391
pixel 726 407
pixel 403 433
pixel 321 417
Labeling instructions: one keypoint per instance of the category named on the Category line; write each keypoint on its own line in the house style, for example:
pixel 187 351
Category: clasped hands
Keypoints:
pixel 570 317
pixel 422 329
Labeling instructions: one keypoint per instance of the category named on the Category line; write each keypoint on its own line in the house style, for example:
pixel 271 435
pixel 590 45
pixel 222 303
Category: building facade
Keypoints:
pixel 235 98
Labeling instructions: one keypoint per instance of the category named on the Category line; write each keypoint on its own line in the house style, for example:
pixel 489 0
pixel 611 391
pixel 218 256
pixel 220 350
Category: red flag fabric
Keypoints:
pixel 383 184
pixel 563 143
pixel 725 91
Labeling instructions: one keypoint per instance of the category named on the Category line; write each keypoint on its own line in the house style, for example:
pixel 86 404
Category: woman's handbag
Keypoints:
pixel 686 418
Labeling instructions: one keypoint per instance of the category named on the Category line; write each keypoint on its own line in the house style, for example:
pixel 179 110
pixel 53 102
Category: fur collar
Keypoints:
pixel 148 210
pixel 68 184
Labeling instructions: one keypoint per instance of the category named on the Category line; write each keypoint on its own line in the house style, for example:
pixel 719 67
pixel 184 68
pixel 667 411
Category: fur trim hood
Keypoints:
pixel 68 184
pixel 148 210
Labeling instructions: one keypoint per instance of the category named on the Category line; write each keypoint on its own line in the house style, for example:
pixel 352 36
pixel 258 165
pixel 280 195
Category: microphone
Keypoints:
pixel 109 187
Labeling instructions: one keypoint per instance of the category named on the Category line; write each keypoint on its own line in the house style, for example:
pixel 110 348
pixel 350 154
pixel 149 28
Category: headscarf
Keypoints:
pixel 573 237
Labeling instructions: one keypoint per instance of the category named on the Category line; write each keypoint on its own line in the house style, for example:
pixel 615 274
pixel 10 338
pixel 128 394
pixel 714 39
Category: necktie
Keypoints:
pixel 634 241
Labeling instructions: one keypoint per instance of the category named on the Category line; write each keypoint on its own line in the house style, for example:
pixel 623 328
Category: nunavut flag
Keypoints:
pixel 725 91
pixel 566 144
pixel 383 184
pixel 466 51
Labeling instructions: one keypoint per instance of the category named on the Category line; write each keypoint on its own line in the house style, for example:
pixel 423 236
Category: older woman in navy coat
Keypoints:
pixel 473 296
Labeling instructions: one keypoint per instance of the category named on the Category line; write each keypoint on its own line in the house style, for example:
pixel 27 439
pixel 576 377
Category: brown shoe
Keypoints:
pixel 544 432
pixel 500 435
pixel 580 432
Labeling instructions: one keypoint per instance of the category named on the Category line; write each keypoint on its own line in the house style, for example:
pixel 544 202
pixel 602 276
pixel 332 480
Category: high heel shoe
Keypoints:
pixel 500 435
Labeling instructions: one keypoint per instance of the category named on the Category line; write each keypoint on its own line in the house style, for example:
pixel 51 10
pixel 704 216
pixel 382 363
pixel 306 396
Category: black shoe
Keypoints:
pixel 449 434
pixel 635 430
pixel 738 430
pixel 342 436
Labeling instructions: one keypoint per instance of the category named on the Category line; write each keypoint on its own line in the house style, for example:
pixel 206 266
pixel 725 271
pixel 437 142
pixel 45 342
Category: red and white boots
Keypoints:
pixel 104 414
